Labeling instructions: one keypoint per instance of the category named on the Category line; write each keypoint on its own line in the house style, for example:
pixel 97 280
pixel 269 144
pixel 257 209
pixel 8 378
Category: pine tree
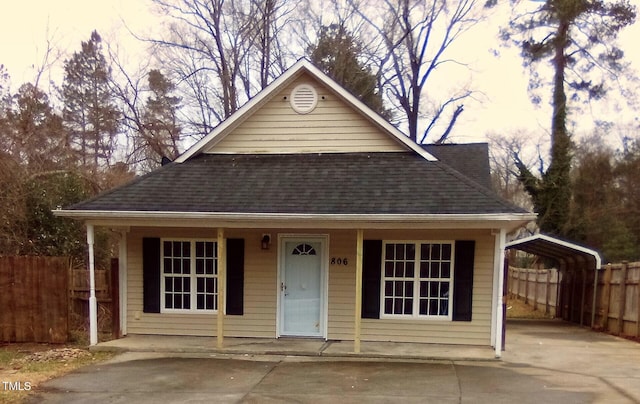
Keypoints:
pixel 90 113
pixel 336 53
pixel 160 120
pixel 578 38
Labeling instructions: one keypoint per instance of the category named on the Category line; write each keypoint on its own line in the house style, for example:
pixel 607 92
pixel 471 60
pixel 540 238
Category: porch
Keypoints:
pixel 310 347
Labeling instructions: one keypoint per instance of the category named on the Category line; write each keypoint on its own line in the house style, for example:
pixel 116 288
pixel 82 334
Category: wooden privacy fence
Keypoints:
pixel 537 287
pixel 618 297
pixel 43 298
pixel 34 304
pixel 569 295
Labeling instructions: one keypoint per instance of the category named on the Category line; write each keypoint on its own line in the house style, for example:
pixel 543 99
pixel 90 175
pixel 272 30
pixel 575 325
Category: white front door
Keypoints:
pixel 302 287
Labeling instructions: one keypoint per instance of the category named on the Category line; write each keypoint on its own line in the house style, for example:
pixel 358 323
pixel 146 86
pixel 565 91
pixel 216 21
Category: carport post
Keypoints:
pixel 93 304
pixel 583 270
pixel 222 281
pixel 358 305
pixel 595 294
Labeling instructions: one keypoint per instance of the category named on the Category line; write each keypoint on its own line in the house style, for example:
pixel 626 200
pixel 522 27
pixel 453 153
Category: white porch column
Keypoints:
pixel 496 275
pixel 93 304
pixel 358 305
pixel 122 277
pixel 222 282
pixel 500 242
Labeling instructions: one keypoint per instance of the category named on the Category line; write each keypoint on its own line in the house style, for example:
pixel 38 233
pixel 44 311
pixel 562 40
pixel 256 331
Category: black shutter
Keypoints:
pixel 235 276
pixel 371 276
pixel 463 280
pixel 151 275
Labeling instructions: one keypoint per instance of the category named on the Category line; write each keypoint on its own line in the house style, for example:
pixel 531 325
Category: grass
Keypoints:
pixel 30 375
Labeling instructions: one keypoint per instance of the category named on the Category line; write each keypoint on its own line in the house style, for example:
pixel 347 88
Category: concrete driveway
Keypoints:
pixel 545 362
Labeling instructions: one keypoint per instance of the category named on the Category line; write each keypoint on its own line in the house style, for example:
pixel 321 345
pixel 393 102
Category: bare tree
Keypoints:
pixel 50 57
pixel 413 42
pixel 148 114
pixel 272 20
pixel 222 52
pixel 504 173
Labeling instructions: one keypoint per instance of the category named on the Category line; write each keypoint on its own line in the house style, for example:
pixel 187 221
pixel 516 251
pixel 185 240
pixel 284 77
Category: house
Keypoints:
pixel 306 214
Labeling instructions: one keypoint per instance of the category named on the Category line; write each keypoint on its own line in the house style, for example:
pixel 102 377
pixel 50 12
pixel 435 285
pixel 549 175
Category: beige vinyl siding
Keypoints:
pixel 332 126
pixel 342 280
pixel 475 332
pixel 261 290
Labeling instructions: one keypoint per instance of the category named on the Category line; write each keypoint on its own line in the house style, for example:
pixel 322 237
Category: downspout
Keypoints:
pixel 500 294
pixel 93 303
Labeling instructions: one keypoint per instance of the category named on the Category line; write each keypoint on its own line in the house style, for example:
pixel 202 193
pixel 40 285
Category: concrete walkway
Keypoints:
pixel 296 347
pixel 576 358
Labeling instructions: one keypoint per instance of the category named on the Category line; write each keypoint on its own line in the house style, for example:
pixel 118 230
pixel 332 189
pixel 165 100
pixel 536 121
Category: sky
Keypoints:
pixel 501 83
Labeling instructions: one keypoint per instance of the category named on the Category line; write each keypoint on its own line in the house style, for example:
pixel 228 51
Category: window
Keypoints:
pixel 417 279
pixel 304 249
pixel 190 275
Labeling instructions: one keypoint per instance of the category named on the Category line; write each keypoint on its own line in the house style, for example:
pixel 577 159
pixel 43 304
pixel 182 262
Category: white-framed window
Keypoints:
pixel 417 279
pixel 189 275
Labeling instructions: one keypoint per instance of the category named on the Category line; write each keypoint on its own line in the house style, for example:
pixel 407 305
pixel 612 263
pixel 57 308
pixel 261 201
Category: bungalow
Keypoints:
pixel 306 214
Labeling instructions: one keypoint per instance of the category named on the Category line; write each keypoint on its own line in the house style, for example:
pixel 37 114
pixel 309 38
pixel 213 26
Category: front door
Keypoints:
pixel 301 287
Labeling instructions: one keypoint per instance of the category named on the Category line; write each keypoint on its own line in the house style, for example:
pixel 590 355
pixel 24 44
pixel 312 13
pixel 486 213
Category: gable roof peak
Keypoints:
pixel 302 66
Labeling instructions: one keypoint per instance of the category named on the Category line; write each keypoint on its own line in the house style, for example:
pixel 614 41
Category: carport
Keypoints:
pixel 578 269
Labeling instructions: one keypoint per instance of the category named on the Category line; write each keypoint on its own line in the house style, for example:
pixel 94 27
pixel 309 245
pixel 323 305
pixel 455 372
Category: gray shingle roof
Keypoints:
pixel 344 183
pixel 471 159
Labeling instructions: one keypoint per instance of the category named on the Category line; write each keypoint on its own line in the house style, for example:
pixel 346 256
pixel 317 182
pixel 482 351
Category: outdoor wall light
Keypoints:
pixel 265 243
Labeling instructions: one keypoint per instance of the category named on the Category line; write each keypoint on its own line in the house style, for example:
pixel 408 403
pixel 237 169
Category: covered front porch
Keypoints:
pixel 347 331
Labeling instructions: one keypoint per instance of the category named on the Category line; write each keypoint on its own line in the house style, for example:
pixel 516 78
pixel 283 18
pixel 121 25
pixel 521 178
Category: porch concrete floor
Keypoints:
pixel 295 347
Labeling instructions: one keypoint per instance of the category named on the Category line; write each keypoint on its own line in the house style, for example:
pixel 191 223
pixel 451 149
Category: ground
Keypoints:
pixel 23 367
pixel 546 361
pixel 518 309
pixel 26 369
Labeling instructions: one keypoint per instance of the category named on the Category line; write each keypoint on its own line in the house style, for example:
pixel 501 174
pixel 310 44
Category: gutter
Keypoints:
pixel 254 219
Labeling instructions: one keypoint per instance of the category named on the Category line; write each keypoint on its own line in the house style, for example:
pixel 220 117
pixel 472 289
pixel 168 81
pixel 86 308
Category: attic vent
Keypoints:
pixel 304 99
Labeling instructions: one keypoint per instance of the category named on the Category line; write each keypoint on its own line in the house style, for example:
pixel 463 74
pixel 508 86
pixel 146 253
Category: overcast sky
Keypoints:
pixel 26 25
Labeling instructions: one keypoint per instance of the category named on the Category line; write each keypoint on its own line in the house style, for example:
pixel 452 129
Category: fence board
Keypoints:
pixel 606 298
pixel 7 281
pixel 617 295
pixel 622 298
pixel 28 285
pixel 537 287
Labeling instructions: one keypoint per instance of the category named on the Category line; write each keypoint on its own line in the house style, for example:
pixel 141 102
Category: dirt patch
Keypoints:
pixel 518 309
pixel 58 355
pixel 23 367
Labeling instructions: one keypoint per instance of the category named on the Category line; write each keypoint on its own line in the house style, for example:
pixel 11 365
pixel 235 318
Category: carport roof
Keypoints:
pixel 555 248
